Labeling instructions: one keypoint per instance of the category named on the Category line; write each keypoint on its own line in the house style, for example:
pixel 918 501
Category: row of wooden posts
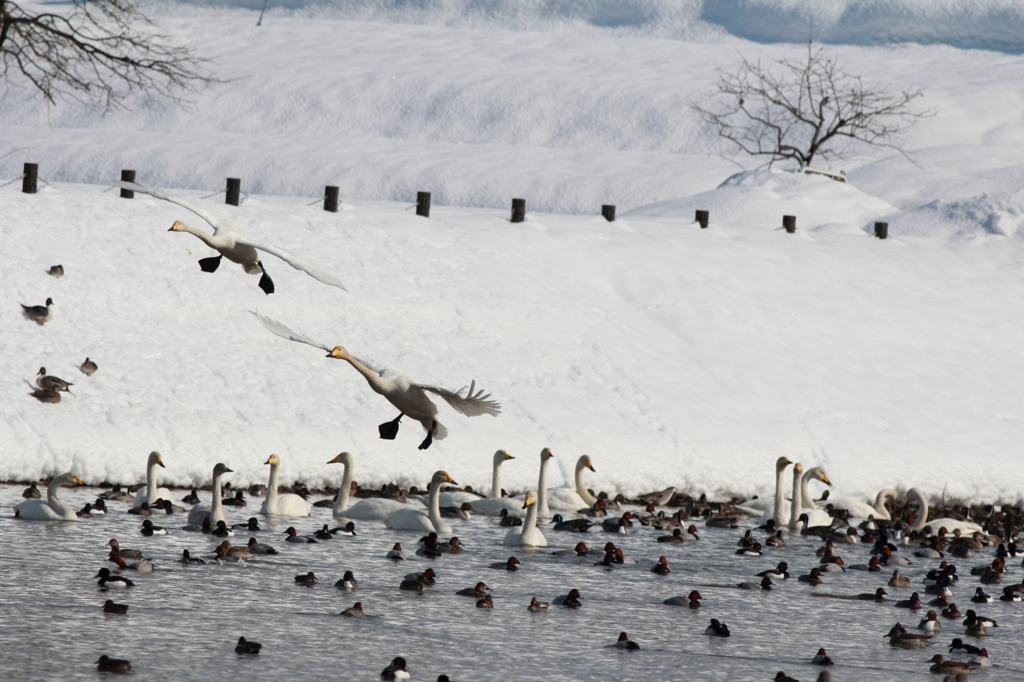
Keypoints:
pixel 234 190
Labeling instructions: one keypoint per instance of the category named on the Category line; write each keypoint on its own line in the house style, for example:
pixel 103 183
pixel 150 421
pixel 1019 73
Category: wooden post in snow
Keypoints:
pixel 233 191
pixel 423 204
pixel 789 222
pixel 29 177
pixel 702 218
pixel 881 230
pixel 518 210
pixel 127 176
pixel 331 198
pixel 608 212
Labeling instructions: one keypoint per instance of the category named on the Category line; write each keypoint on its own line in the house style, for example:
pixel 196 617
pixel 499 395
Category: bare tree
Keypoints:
pixel 95 52
pixel 800 110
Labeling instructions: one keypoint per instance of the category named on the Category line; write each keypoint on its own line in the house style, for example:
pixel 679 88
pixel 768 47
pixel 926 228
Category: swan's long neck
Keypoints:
pixel 797 503
pixel 496 479
pixel 216 508
pixel 206 238
pixel 581 489
pixel 434 507
pixel 780 482
pixel 341 504
pixel 542 490
pixel 531 518
pixel 52 499
pixel 371 377
pixel 883 513
pixel 805 494
pixel 151 483
pixel 272 488
pixel 922 515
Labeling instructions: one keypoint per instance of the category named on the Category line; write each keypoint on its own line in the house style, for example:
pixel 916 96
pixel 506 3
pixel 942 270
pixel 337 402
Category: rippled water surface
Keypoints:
pixel 183 623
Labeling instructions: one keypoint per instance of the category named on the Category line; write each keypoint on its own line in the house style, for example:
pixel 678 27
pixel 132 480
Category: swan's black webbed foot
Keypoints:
pixel 210 264
pixel 388 430
pixel 430 436
pixel 265 283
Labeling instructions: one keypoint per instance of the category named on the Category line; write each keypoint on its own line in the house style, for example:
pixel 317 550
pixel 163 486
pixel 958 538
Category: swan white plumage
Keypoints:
pixel 414 519
pixel 780 480
pixel 861 510
pixel 142 495
pixel 371 509
pixel 573 499
pixel 815 516
pixel 795 504
pixel 914 496
pixel 215 510
pixel 227 240
pixel 777 505
pixel 276 504
pixel 492 506
pixel 50 509
pixel 528 534
pixel 408 396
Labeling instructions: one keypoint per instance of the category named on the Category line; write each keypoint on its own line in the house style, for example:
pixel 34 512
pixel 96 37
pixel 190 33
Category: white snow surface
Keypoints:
pixel 672 355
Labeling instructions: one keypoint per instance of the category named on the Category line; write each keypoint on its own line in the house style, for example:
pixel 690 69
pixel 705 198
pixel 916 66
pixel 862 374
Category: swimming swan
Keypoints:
pixel 569 499
pixel 492 506
pixel 802 502
pixel 401 391
pixel 861 510
pixel 227 240
pixel 143 495
pixel 370 509
pixel 50 509
pixel 288 504
pixel 527 534
pixel 914 496
pixel 214 511
pixel 414 519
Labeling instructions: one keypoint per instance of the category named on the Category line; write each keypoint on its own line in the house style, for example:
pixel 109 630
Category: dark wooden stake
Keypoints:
pixel 608 211
pixel 127 176
pixel 331 198
pixel 702 218
pixel 518 210
pixel 423 204
pixel 29 177
pixel 234 190
pixel 789 222
pixel 881 230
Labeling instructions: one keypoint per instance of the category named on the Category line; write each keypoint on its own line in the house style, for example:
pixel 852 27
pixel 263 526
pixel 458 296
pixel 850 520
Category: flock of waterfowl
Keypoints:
pixel 904 541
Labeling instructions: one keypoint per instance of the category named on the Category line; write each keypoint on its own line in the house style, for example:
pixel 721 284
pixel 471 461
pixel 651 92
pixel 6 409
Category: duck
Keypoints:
pixel 940 666
pixel 898 580
pixel 306 579
pixel 354 611
pixel 99 507
pixel 537 606
pixel 115 548
pixel 872 566
pixel 31 492
pixel 717 629
pixel 237 501
pixel 407 396
pixel 812 578
pixel 1010 595
pixel 464 511
pixel 324 533
pixel 110 607
pixel 108 580
pixel 347 582
pixel 235 552
pixel 512 564
pixel 877 596
pixel 930 623
pixel 980 597
pixel 246 647
pixel 580 549
pixel 973 618
pixel 572 525
pixel 957 646
pixel 951 612
pixel 478 592
pixel 150 493
pixel 293 536
pixel 661 568
pixel 85 512
pixel 41 314
pixel 527 535
pixel 564 499
pixel 215 510
pixel 753 550
pixel 899 637
pixel 191 498
pixel 52 508
pixel 277 504
pixel 46 381
pixel 253 524
pixel 221 530
pixel 618 525
pixel 914 496
pixel 624 642
pixel 485 602
pixel 822 658
pixel 142 565
pixel 188 559
pixel 775 540
pixel 396 553
pixel 417 520
pixel 396 670
pixel 676 537
pixel 691 600
pixel 149 530
pixel 913 603
pixel 981 660
pixel 764 585
pixel 88 367
pixel 347 531
pixel 227 241
pixel 46 395
pixel 508 521
pixel 570 600
pixel 370 509
pixel 141 510
pixel 106 664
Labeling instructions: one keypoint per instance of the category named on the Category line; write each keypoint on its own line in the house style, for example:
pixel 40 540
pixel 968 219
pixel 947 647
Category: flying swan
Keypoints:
pixel 227 240
pixel 401 391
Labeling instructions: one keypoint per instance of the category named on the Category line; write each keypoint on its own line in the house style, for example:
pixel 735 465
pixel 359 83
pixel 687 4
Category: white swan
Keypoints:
pixel 914 496
pixel 414 519
pixel 795 504
pixel 408 396
pixel 573 499
pixel 276 504
pixel 804 503
pixel 143 493
pixel 214 511
pixel 527 534
pixel 860 509
pixel 492 506
pixel 50 509
pixel 370 509
pixel 227 240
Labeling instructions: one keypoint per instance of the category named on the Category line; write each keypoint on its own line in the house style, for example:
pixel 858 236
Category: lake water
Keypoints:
pixel 183 622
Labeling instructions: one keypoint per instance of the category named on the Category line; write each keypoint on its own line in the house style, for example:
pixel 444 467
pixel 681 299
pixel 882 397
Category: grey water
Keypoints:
pixel 183 622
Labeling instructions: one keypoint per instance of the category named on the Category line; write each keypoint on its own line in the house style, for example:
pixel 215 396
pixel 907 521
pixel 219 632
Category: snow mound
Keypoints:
pixel 974 220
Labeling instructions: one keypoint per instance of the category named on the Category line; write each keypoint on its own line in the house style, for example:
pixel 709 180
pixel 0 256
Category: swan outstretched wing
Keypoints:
pixel 472 404
pixel 217 222
pixel 312 270
pixel 275 327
